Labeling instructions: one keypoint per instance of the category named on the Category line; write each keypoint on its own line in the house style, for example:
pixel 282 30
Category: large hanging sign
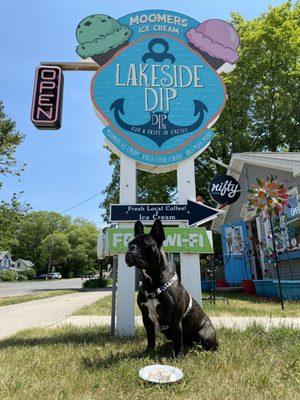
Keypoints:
pixel 224 189
pixel 158 88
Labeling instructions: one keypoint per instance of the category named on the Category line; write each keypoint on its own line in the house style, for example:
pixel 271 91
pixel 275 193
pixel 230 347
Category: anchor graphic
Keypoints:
pixel 159 128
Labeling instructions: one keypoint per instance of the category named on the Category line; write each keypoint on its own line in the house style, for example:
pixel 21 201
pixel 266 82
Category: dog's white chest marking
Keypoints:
pixel 151 304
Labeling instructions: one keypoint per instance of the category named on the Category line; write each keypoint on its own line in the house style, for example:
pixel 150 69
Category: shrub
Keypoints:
pixel 96 283
pixel 8 275
pixel 29 273
pixel 22 277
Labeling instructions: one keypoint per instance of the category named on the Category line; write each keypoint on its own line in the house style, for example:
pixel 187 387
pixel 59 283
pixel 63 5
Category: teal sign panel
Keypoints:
pixel 157 88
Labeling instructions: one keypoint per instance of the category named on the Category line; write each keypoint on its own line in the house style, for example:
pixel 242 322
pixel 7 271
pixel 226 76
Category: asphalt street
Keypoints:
pixel 21 288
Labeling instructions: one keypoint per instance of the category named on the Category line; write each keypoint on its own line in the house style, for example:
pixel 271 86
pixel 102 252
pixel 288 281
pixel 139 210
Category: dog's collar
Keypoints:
pixel 189 306
pixel 162 288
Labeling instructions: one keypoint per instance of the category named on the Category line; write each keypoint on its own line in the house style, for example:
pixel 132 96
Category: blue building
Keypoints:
pixel 247 240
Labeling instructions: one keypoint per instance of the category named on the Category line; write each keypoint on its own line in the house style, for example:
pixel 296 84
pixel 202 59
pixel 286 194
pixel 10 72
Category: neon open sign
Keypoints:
pixel 47 98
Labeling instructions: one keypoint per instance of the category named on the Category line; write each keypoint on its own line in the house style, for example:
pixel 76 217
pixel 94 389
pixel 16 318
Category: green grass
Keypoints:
pixel 240 305
pixel 71 363
pixel 5 301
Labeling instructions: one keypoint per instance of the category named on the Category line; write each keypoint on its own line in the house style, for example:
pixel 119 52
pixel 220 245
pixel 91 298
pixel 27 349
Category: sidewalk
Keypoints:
pixel 227 322
pixel 56 311
pixel 46 312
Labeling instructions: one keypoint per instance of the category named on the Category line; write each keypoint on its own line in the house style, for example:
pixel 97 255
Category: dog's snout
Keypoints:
pixel 131 247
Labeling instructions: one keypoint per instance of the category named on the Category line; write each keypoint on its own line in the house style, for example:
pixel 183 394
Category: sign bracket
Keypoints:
pixel 72 65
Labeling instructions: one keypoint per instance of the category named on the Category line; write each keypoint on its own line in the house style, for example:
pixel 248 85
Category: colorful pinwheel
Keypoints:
pixel 268 196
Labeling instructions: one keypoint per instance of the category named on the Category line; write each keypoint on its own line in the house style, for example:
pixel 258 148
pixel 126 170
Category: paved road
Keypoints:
pixel 20 288
pixel 46 312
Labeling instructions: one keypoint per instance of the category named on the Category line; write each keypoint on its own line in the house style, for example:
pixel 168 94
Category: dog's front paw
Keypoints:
pixel 178 353
pixel 149 351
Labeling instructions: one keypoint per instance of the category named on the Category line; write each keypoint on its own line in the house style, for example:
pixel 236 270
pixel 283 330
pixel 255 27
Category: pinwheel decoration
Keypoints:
pixel 270 197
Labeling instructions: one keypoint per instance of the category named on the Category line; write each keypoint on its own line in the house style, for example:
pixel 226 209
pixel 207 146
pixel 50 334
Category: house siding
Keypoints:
pixel 6 262
pixel 234 212
pixel 290 267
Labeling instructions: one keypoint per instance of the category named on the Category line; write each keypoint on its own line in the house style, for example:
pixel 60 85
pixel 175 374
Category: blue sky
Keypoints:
pixel 67 166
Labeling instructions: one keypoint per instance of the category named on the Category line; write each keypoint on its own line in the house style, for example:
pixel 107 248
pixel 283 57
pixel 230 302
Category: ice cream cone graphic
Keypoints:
pixel 217 41
pixel 100 37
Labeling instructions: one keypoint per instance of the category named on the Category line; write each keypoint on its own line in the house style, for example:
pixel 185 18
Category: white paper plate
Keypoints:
pixel 160 374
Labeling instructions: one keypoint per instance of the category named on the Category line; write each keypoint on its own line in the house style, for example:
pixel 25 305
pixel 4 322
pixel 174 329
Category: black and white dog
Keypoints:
pixel 165 304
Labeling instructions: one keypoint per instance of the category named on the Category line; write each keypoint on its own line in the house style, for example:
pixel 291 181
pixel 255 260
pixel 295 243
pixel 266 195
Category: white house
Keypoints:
pixel 22 265
pixel 247 239
pixel 6 261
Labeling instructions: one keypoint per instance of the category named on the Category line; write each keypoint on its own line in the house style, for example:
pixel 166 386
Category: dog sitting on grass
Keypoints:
pixel 165 304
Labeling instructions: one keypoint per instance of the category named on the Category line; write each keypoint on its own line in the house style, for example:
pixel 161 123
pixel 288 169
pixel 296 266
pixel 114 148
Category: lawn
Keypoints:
pixel 5 301
pixel 86 364
pixel 239 305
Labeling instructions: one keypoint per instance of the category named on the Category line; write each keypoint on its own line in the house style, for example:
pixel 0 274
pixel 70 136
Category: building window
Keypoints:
pixel 234 237
pixel 287 225
pixel 291 219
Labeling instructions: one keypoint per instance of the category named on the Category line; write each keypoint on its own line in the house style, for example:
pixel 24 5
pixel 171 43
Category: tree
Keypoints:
pixel 50 238
pixel 55 249
pixel 9 140
pixel 12 214
pixel 83 241
pixel 262 111
pixel 35 227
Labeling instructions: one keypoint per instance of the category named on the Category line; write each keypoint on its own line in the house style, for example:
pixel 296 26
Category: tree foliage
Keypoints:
pixel 35 227
pixel 12 213
pixel 50 239
pixel 83 240
pixel 262 111
pixel 10 139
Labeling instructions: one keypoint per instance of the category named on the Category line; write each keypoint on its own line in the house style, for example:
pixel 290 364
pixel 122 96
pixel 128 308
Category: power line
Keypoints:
pixel 82 202
pixel 62 212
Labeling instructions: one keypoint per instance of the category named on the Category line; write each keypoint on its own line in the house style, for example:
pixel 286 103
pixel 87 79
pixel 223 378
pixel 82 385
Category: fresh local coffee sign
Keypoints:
pixel 158 89
pixel 178 240
pixel 191 212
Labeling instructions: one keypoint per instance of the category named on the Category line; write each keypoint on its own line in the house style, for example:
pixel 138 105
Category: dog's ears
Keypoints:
pixel 138 228
pixel 157 232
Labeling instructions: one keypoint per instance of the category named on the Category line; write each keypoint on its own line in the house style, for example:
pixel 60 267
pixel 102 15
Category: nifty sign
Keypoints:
pixel 47 98
pixel 178 240
pixel 224 189
pixel 158 89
